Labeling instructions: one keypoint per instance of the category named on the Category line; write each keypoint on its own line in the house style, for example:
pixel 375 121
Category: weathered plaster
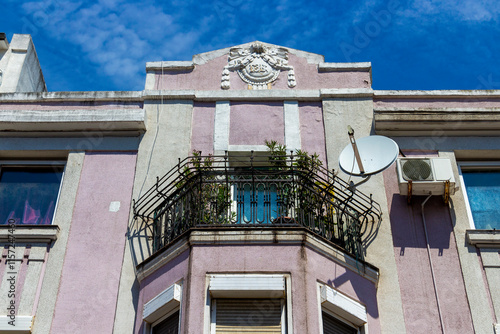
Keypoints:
pixel 416 277
pixel 312 129
pixel 93 261
pixel 202 128
pixel 358 112
pixel 166 140
pixel 253 123
pixel 63 217
pixel 239 254
pixel 20 67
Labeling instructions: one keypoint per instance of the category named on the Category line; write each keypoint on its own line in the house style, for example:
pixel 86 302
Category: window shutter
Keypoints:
pixel 249 316
pixel 168 326
pixel 331 325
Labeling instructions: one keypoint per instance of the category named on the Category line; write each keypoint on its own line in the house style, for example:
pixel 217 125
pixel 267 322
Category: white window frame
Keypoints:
pixel 162 306
pixel 31 163
pixel 341 307
pixel 239 286
pixel 473 165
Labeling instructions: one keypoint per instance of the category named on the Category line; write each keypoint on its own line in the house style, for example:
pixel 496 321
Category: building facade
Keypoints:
pixel 165 211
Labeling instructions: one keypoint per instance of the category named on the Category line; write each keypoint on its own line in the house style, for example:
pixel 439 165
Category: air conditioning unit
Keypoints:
pixel 425 176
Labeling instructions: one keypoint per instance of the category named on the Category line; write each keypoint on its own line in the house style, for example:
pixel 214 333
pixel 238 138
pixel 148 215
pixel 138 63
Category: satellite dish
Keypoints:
pixel 376 153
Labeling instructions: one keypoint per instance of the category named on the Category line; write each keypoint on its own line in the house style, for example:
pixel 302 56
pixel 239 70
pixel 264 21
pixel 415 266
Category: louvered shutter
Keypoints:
pixel 331 325
pixel 249 316
pixel 168 326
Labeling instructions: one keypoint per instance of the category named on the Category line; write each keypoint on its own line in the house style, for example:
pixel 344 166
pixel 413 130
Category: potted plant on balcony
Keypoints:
pixel 210 202
pixel 309 201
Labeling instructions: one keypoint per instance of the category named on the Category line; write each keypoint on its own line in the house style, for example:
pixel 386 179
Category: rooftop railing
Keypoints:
pixel 255 191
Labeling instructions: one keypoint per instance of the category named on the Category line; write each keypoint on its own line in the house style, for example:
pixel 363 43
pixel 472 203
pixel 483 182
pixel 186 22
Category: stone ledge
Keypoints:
pixel 347 92
pixel 72 96
pixel 446 121
pixel 484 238
pixel 99 120
pixel 169 66
pixel 30 233
pixel 344 67
pixel 425 94
pixel 255 236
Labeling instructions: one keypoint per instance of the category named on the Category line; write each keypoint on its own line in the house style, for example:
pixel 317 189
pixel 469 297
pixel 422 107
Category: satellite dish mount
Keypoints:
pixel 369 155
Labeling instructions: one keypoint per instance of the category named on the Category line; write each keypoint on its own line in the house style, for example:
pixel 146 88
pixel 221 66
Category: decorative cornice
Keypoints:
pixel 408 122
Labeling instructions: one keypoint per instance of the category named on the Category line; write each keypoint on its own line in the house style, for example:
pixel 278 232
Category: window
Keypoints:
pixel 169 325
pixel 332 325
pixel 257 195
pixel 255 202
pixel 482 192
pixel 341 314
pixel 247 303
pixel 162 313
pixel 28 192
pixel 247 315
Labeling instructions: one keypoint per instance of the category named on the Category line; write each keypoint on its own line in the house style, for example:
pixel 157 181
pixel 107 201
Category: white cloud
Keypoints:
pixel 117 36
pixel 466 10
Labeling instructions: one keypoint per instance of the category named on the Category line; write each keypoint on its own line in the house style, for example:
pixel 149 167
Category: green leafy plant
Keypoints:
pixel 210 200
pixel 309 198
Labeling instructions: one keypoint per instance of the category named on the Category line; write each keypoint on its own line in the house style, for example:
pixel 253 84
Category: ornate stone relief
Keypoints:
pixel 258 66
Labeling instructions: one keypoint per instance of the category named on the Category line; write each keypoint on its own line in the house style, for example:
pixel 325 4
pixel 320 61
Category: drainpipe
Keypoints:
pixel 432 267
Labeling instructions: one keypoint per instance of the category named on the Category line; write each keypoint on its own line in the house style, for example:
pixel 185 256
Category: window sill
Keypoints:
pixel 29 233
pixel 484 238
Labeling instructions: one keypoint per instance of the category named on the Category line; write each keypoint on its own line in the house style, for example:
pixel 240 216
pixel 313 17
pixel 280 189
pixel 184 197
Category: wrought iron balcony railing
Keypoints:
pixel 255 191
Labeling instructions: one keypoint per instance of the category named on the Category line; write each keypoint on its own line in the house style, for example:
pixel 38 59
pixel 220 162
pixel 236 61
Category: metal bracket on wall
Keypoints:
pixel 410 184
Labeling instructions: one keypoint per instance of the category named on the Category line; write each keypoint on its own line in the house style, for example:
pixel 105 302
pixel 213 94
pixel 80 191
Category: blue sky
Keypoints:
pixel 414 44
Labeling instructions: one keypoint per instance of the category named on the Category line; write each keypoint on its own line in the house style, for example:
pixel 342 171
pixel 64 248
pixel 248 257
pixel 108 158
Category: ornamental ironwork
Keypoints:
pixel 255 191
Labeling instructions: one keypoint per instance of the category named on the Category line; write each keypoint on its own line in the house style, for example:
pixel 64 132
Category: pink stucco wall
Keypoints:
pixel 202 129
pixel 312 129
pixel 86 301
pixel 414 273
pixel 253 123
pixel 171 273
pixel 208 77
pixel 305 266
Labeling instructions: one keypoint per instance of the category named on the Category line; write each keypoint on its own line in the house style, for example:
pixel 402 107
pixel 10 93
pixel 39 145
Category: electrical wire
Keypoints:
pixel 156 133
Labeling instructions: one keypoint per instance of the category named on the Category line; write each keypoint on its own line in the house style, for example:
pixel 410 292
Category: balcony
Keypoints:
pixel 255 191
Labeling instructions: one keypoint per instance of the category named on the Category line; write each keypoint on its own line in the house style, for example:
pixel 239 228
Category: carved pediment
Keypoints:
pixel 258 65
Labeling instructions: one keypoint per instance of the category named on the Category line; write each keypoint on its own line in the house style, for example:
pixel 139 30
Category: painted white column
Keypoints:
pixel 292 125
pixel 221 127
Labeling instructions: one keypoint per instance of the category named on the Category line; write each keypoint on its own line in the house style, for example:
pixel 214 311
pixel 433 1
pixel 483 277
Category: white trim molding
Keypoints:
pixel 168 300
pixel 247 286
pixel 22 323
pixel 342 305
pixel 221 126
pixel 292 125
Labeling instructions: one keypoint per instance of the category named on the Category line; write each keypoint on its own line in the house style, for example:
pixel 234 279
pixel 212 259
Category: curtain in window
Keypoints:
pixel 28 194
